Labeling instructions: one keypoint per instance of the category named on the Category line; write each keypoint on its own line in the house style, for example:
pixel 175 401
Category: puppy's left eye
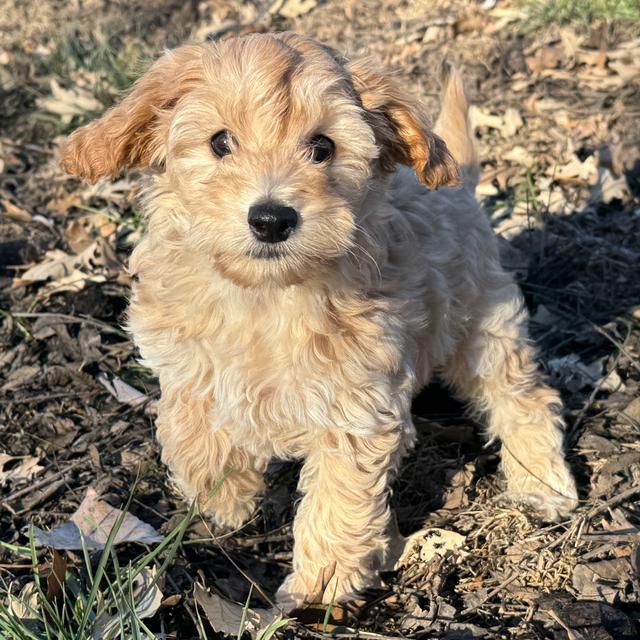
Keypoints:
pixel 221 143
pixel 322 148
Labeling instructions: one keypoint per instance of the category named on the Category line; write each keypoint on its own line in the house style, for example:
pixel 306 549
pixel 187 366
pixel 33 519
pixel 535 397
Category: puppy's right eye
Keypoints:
pixel 322 148
pixel 221 143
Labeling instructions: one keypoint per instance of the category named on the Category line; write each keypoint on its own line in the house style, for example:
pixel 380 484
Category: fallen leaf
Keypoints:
pixel 89 341
pixel 592 442
pixel 62 271
pixel 81 232
pixel 68 103
pixel 609 187
pixel 519 155
pixel 632 411
pixel 57 264
pixel 587 620
pixel 313 612
pixel 226 616
pixel 122 391
pixel 20 377
pixel 93 521
pixel 543 316
pixel 508 124
pixel 601 580
pixel 577 170
pixel 292 8
pixel 25 605
pixel 512 122
pixel 60 206
pixel 549 57
pixel 626 69
pixel 55 579
pixel 15 212
pixel 144 594
pixel 16 468
pixel 571 43
pixel 75 281
pixel 456 492
pixel 573 374
pixel 423 545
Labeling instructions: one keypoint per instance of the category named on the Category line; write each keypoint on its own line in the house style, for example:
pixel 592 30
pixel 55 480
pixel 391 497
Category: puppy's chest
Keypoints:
pixel 281 382
pixel 260 379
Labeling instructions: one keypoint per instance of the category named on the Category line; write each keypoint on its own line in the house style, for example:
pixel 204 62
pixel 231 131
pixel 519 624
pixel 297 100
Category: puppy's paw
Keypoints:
pixel 229 516
pixel 552 498
pixel 543 482
pixel 550 508
pixel 287 598
pixel 299 591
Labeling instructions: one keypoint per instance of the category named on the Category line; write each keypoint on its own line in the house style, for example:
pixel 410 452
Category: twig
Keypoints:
pixel 245 575
pixel 44 481
pixel 621 347
pixel 490 594
pixel 63 317
pixel 41 495
pixel 614 501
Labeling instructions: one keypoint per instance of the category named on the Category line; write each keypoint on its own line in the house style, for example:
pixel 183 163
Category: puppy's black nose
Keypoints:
pixel 272 222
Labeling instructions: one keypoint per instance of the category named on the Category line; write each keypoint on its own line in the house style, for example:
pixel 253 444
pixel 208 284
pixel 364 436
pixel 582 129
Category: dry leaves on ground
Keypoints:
pixel 91 525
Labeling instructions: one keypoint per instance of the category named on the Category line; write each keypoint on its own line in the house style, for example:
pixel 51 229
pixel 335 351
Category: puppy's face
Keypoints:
pixel 270 143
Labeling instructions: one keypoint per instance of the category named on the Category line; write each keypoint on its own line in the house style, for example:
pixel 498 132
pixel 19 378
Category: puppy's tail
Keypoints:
pixel 453 124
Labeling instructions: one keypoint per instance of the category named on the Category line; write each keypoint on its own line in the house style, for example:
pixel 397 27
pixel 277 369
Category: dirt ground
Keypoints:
pixel 557 106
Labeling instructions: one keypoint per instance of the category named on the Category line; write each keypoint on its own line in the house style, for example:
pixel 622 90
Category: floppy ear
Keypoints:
pixel 133 133
pixel 402 128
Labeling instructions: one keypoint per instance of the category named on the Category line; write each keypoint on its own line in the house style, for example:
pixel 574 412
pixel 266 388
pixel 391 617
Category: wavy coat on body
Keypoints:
pixel 312 346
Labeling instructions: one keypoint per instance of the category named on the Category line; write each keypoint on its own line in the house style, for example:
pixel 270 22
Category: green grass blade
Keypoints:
pixel 106 552
pixel 327 613
pixel 243 619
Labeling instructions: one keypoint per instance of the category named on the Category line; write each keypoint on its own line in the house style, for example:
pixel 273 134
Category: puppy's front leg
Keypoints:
pixel 343 516
pixel 204 464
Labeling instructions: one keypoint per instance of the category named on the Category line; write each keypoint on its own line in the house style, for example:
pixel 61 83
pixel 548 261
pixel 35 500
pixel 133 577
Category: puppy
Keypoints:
pixel 296 288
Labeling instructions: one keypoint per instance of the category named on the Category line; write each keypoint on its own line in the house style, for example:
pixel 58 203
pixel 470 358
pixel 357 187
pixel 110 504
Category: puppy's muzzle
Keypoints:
pixel 272 222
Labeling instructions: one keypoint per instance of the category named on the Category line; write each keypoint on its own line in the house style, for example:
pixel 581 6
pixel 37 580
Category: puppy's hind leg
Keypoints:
pixel 496 371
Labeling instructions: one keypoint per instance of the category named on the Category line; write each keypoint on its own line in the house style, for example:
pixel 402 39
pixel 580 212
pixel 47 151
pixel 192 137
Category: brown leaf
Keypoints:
pixel 17 468
pixel 55 579
pixel 292 8
pixel 456 493
pixel 82 231
pixel 632 412
pixel 19 377
pixel 601 580
pixel 549 57
pixel 15 212
pixel 322 581
pixel 587 620
pixel 60 206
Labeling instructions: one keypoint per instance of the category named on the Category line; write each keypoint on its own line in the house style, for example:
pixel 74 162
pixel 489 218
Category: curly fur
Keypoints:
pixel 317 352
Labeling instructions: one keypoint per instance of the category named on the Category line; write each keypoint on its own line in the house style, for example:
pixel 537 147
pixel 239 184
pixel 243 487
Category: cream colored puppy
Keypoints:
pixel 295 288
